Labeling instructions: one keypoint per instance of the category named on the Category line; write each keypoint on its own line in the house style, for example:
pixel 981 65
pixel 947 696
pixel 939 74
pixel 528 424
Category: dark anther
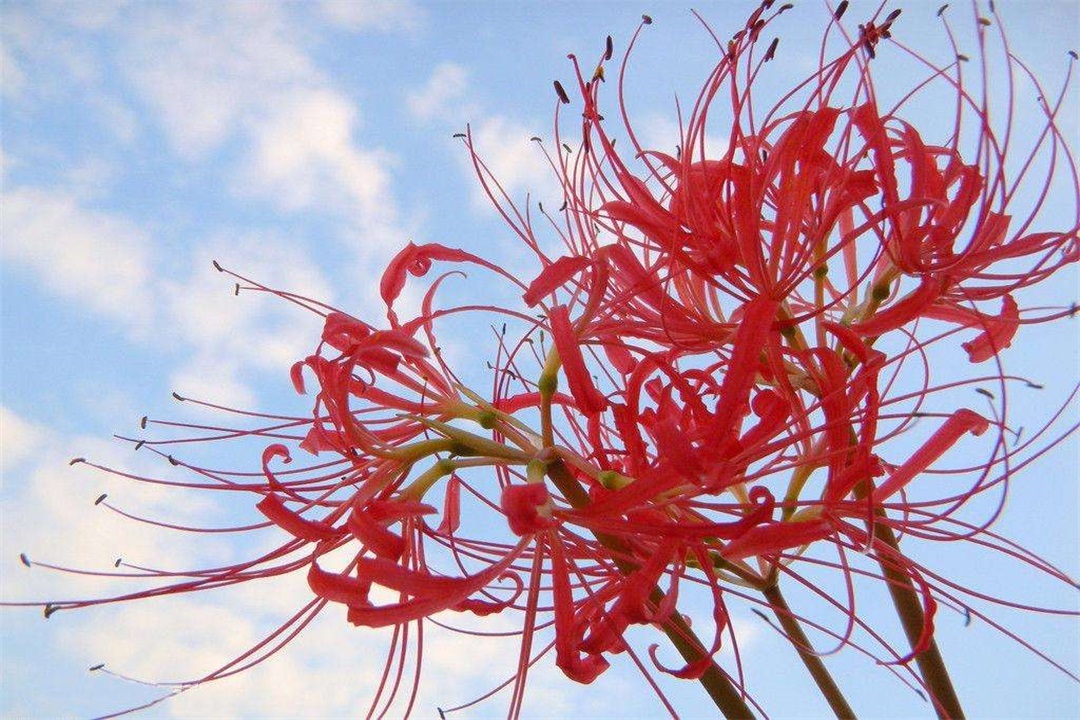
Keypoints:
pixel 921 694
pixel 1034 386
pixel 993 10
pixel 101 498
pixel 962 58
pixel 118 561
pixel 941 10
pixel 609 49
pixel 646 19
pixel 142 423
pixel 1072 54
pixel 561 93
pixel 442 715
pixel 784 8
pixel 535 138
pixel 967 616
pixel 541 206
pixel 178 396
pixel 49 610
pixel 95 668
pixel 139 444
pixel 76 461
pixel 567 148
pixel 893 15
pixel 841 9
pixel 984 391
pixel 236 289
pixel 459 135
pixel 771 52
pixel 563 206
pixel 173 460
pixel 503 329
pixel 25 560
pixel 217 266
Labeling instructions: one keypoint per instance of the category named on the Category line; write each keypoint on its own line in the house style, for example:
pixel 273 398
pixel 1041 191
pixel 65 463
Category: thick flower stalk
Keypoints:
pixel 720 384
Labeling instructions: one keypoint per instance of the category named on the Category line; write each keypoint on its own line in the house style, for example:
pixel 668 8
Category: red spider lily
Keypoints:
pixel 737 333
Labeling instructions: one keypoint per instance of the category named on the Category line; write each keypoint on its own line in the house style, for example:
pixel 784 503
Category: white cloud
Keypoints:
pixel 516 162
pixel 210 70
pixel 441 95
pixel 52 517
pixel 303 158
pixel 12 78
pixel 95 258
pixel 115 116
pixel 19 439
pixel 91 178
pixel 228 336
pixel 238 73
pixel 383 15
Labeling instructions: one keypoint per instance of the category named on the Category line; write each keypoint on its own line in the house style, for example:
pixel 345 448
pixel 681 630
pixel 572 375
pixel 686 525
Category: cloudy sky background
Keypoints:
pixel 302 144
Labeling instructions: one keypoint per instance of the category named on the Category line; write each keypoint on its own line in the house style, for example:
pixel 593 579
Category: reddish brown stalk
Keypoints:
pixel 906 600
pixel 715 681
pixel 829 689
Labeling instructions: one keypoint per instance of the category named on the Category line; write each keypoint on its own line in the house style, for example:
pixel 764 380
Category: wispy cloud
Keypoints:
pixel 99 259
pixel 303 157
pixel 442 96
pixel 364 15
pixel 226 338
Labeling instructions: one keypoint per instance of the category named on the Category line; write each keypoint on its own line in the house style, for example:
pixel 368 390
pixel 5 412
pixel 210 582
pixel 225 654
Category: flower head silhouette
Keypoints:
pixel 721 381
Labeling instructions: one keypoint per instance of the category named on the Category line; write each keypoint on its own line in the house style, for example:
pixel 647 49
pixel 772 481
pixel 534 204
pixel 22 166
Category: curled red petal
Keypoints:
pixel 997 331
pixel 293 523
pixel 339 588
pixel 776 537
pixel 269 453
pixel 416 260
pixel 959 423
pixel 554 276
pixel 587 397
pixel 375 536
pixel 296 374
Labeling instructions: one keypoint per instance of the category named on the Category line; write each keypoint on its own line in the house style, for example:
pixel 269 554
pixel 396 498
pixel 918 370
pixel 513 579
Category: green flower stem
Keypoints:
pixel 813 663
pixel 716 683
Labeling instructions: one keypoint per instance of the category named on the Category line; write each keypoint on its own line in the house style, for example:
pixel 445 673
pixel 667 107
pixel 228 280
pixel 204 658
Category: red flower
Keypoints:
pixel 744 335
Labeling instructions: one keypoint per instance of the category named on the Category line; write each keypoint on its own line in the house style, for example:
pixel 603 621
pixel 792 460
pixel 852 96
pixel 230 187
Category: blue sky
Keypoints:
pixel 302 144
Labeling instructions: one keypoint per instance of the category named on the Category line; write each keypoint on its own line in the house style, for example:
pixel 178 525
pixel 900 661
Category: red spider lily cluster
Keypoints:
pixel 718 383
